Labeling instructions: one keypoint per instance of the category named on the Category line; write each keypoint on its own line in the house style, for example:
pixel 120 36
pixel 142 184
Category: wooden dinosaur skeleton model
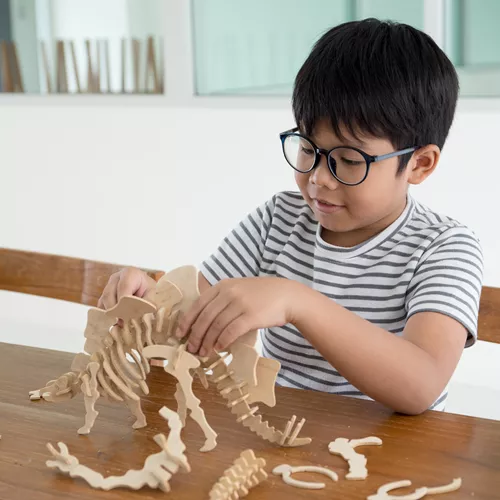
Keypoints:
pixel 116 364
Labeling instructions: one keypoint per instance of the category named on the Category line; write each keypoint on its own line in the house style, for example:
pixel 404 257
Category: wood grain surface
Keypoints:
pixel 430 449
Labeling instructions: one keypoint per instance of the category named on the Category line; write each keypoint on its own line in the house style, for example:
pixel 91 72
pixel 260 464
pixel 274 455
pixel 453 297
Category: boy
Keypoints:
pixel 357 288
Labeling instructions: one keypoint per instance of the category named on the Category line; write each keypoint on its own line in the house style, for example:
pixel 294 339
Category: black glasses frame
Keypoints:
pixel 332 166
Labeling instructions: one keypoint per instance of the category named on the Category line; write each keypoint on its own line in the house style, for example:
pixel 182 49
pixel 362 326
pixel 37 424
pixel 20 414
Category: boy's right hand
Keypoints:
pixel 128 281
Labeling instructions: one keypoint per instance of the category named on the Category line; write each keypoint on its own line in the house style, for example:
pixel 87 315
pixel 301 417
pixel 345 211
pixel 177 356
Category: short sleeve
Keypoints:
pixel 449 278
pixel 240 253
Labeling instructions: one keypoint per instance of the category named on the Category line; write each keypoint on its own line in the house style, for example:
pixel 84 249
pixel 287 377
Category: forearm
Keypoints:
pixel 387 368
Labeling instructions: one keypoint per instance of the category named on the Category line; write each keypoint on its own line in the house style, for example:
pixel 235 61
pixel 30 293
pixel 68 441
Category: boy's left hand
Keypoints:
pixel 234 307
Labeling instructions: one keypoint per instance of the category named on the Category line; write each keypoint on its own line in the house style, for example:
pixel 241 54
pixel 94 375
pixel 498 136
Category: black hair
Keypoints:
pixel 380 78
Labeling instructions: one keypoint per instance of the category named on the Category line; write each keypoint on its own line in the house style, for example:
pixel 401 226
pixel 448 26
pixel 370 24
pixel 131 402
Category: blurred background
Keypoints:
pixel 141 131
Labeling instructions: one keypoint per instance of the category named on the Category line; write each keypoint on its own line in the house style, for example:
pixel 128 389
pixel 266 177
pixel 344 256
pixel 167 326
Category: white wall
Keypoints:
pixel 159 186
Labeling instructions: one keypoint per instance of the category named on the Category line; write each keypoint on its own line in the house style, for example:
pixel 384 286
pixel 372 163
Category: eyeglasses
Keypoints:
pixel 348 165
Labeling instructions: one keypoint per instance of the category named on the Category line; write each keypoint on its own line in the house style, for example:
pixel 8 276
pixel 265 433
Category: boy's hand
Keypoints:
pixel 233 307
pixel 128 281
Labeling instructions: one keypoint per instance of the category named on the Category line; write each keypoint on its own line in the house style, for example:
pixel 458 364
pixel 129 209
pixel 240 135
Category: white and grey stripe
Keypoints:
pixel 421 262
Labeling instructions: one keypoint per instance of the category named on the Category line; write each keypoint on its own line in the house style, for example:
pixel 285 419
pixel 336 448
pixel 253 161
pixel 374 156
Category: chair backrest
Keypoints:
pixel 489 315
pixel 55 276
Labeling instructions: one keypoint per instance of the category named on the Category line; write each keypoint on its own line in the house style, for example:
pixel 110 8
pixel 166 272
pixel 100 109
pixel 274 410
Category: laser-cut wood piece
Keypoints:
pixel 447 488
pixel 383 493
pixel 246 472
pixel 236 393
pixel 157 469
pixel 285 471
pixel 356 461
pixel 179 364
pixel 244 363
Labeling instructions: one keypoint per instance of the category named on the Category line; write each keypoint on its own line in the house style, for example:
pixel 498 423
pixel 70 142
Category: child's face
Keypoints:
pixel 361 211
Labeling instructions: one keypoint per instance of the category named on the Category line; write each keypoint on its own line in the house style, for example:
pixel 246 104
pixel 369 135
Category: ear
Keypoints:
pixel 423 163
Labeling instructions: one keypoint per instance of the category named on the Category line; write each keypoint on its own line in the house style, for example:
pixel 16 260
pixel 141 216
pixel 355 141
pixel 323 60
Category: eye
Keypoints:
pixel 307 151
pixel 351 162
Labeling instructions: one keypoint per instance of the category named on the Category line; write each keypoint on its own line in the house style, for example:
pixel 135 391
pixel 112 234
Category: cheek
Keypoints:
pixel 376 194
pixel 302 181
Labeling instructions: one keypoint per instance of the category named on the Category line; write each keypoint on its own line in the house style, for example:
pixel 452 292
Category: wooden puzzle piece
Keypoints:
pixel 244 363
pixel 156 472
pixel 129 308
pixel 237 395
pixel 98 325
pixel 356 461
pixel 179 364
pixel 267 371
pixel 185 278
pixel 246 472
pixel 90 395
pixel 285 471
pixel 383 493
pixel 447 488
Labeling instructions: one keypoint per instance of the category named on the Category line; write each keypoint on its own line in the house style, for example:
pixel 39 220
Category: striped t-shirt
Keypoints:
pixel 421 262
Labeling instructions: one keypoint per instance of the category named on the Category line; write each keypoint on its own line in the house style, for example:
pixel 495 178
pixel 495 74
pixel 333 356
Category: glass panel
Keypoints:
pixel 411 13
pixel 257 47
pixel 81 46
pixel 472 41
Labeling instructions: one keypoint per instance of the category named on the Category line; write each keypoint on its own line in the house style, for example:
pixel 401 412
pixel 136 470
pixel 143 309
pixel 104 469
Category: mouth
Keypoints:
pixel 326 207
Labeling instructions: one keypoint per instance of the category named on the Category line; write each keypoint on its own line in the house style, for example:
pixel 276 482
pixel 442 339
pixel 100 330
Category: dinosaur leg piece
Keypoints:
pixel 185 381
pixel 181 404
pixel 91 395
pixel 136 410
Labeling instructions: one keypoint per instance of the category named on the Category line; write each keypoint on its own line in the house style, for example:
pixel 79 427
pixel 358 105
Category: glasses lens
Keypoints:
pixel 299 153
pixel 349 165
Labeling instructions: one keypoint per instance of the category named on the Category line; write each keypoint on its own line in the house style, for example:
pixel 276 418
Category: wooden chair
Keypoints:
pixel 489 315
pixel 65 278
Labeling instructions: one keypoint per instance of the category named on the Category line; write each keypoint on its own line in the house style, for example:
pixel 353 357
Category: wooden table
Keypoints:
pixel 431 449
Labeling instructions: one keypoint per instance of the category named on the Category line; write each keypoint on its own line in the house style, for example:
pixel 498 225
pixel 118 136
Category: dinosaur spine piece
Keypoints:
pixel 246 472
pixel 235 393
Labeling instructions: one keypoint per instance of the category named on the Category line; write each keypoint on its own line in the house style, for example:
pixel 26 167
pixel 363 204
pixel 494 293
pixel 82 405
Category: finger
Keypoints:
pixel 150 295
pixel 238 327
pixel 128 284
pixel 187 320
pixel 203 322
pixel 219 324
pixel 108 297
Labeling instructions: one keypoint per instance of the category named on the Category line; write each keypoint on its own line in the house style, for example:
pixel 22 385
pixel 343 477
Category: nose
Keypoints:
pixel 321 175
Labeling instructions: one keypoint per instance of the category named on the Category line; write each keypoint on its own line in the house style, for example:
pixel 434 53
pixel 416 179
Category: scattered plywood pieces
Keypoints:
pixel 246 473
pixel 157 470
pixel 286 471
pixel 356 461
pixel 383 492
